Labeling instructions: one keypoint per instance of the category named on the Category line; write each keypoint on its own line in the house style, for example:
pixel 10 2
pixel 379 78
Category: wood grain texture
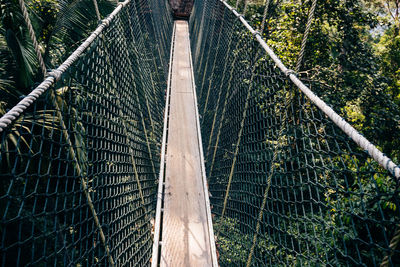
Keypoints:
pixel 185 236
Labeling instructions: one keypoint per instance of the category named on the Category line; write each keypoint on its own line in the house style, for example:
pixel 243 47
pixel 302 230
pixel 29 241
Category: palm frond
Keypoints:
pixel 75 21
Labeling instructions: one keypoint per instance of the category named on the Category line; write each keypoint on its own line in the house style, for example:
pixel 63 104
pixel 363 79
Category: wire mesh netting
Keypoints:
pixel 287 186
pixel 79 167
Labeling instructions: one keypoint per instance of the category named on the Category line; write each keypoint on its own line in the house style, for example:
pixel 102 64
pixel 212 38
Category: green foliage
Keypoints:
pixel 234 248
pixel 352 61
pixel 352 58
pixel 60 26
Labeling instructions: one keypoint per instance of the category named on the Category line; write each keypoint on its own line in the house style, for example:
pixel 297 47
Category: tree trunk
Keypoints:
pixel 181 8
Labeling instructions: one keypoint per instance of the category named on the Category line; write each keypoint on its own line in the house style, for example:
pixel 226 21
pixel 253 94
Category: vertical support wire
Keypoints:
pixel 200 36
pixel 141 42
pixel 83 179
pixel 394 242
pixel 224 109
pixel 137 98
pixel 66 135
pixel 229 85
pixel 96 7
pixel 237 4
pixel 305 36
pixel 202 60
pixel 246 5
pixel 262 27
pixel 228 52
pixel 213 68
pixel 124 124
pixel 237 145
pixel 288 100
pixel 32 35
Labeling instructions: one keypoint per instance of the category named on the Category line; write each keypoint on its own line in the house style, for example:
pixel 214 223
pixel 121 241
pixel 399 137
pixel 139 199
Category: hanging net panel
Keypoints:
pixel 287 186
pixel 79 165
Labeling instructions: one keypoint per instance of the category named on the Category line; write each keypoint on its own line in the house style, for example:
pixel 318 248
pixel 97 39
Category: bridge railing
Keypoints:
pixel 291 183
pixel 80 155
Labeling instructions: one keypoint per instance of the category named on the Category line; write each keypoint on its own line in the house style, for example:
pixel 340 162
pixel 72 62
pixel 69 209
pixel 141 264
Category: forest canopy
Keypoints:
pixel 352 52
pixel 352 58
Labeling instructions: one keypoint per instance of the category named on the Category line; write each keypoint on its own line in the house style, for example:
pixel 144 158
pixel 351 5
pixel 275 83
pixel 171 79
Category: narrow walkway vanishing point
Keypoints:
pixel 187 234
pixel 291 182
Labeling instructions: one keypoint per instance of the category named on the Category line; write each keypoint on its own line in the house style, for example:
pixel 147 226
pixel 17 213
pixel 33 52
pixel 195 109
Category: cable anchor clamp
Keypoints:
pixel 255 33
pixel 56 74
pixel 288 72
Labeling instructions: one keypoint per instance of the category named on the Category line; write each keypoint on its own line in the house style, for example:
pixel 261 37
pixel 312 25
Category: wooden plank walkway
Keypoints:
pixel 186 230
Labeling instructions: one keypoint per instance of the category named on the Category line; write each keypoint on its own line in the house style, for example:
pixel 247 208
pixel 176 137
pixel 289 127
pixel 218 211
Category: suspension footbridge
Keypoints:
pixel 187 232
pixel 188 143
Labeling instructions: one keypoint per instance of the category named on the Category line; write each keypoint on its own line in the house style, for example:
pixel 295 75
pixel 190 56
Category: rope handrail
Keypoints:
pixel 55 75
pixel 67 135
pixel 364 143
pixel 291 182
pixel 288 184
pixel 79 154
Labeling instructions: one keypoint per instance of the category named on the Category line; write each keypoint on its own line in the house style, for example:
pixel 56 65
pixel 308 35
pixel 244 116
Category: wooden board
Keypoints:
pixel 185 226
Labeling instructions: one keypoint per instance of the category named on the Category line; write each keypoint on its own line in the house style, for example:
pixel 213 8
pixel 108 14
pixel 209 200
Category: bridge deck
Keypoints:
pixel 186 233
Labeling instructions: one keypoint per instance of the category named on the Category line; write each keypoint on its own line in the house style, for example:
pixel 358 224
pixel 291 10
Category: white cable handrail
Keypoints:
pixel 370 148
pixel 55 75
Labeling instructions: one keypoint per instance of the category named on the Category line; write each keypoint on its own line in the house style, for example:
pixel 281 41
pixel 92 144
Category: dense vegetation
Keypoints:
pixel 352 57
pixel 60 26
pixel 352 60
pixel 352 53
pixel 83 152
